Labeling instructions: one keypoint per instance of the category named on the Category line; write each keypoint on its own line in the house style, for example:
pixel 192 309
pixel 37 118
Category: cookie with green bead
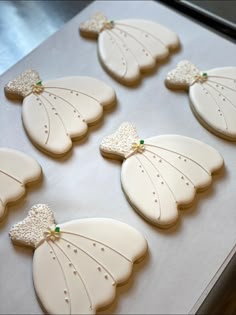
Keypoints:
pixel 212 96
pixel 57 112
pixel 77 265
pixel 163 173
pixel 128 48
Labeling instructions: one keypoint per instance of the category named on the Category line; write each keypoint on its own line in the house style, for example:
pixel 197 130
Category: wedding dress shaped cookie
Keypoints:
pixel 212 95
pixel 16 171
pixel 77 265
pixel 57 111
pixel 127 47
pixel 161 173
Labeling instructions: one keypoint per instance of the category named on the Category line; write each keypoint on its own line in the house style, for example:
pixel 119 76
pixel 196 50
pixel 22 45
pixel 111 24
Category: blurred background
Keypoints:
pixel 26 24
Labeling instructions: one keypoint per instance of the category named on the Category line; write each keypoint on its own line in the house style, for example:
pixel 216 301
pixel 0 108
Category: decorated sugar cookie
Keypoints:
pixel 160 174
pixel 77 265
pixel 128 47
pixel 16 171
pixel 57 111
pixel 212 95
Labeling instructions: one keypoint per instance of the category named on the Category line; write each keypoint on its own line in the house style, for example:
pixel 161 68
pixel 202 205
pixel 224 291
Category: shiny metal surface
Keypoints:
pixel 221 298
pixel 225 9
pixel 25 24
pixel 182 261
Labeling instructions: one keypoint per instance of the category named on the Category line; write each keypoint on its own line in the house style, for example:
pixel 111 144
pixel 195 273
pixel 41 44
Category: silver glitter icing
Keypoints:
pixel 30 231
pixel 95 24
pixel 121 141
pixel 23 84
pixel 183 75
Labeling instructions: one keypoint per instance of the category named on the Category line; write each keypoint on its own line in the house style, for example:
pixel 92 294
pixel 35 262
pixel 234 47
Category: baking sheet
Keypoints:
pixel 183 260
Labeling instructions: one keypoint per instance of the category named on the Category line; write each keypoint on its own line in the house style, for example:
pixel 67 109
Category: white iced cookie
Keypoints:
pixel 128 47
pixel 212 96
pixel 57 111
pixel 77 265
pixel 160 174
pixel 16 171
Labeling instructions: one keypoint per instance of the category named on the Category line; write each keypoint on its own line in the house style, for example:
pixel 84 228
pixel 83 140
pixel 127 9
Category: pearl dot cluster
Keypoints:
pixel 30 231
pixel 184 74
pixel 121 141
pixel 23 84
pixel 95 24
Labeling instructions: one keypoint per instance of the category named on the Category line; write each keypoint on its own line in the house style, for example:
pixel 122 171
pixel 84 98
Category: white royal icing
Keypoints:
pixel 212 94
pixel 121 141
pixel 31 231
pixel 16 170
pixel 128 47
pixel 77 266
pixel 160 174
pixel 57 111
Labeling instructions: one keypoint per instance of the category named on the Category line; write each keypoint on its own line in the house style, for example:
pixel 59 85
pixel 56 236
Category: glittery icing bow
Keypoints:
pixel 52 232
pixel 200 78
pixel 138 147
